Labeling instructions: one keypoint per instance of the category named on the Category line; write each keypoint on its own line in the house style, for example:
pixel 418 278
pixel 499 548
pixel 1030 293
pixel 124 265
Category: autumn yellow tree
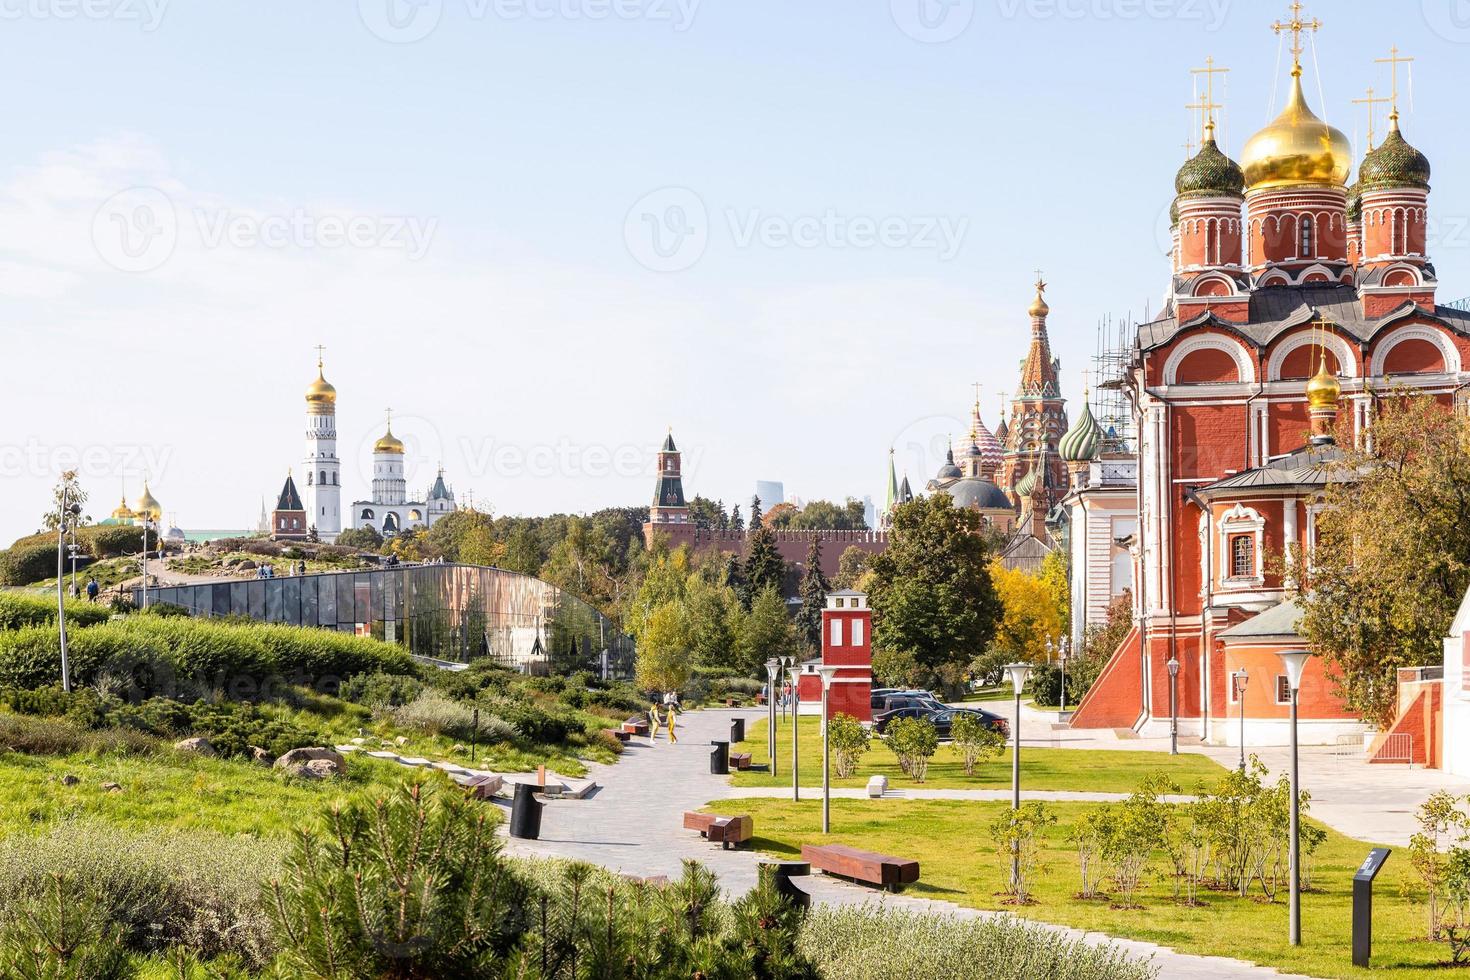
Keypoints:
pixel 1030 614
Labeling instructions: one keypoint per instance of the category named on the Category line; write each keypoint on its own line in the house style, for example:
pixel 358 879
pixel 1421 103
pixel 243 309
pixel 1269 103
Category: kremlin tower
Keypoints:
pixel 1038 420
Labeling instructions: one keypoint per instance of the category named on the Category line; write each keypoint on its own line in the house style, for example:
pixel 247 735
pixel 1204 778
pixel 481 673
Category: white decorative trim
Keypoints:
pixel 1347 363
pixel 1384 345
pixel 1236 521
pixel 1244 365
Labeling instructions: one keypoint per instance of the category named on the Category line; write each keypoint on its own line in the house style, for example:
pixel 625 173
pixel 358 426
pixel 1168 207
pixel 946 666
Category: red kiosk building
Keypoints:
pixel 847 643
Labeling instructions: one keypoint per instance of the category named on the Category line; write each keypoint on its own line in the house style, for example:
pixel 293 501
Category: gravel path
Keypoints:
pixel 632 825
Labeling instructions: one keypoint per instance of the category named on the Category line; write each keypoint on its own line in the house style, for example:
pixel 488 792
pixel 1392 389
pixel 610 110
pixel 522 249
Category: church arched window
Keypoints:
pixel 1306 229
pixel 324 477
pixel 367 514
pixel 308 477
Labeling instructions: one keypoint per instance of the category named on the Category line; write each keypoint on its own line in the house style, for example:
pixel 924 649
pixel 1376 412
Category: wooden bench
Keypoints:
pixel 721 829
pixel 732 702
pixel 740 760
pixel 882 870
pixel 637 725
pixel 619 734
pixel 485 787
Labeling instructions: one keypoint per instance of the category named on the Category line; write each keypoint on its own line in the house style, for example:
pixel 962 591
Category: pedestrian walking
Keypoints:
pixel 673 739
pixel 92 588
pixel 653 722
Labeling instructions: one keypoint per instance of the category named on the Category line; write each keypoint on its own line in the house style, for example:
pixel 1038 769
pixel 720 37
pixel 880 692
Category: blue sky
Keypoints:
pixel 483 226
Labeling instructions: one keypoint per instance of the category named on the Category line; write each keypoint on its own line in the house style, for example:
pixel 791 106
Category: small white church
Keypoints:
pixel 389 511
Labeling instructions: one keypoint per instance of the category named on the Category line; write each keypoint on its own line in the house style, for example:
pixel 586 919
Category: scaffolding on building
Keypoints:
pixel 1116 340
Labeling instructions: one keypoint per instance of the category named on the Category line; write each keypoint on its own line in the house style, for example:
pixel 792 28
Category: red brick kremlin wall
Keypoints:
pixel 792 545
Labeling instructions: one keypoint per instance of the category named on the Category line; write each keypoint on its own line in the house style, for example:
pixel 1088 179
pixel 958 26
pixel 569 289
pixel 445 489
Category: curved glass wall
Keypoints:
pixel 455 613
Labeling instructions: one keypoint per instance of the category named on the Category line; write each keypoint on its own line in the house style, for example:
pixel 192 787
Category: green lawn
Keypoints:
pixel 177 791
pixel 959 864
pixel 1095 770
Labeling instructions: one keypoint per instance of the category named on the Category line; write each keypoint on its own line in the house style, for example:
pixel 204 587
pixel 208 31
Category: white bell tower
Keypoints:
pixel 322 488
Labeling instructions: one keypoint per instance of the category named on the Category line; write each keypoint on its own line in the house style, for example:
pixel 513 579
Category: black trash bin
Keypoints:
pixel 719 758
pixel 737 731
pixel 525 813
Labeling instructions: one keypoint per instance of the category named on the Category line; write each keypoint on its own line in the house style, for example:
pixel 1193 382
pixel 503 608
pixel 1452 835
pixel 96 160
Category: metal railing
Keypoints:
pixel 1396 747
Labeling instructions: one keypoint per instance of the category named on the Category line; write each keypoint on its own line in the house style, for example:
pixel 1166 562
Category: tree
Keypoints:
pixel 1016 834
pixel 764 566
pixel 62 933
pixel 1392 559
pixel 976 740
pixel 361 538
pixel 74 494
pixel 737 523
pixel 823 515
pixel 706 513
pixel 850 739
pixel 664 645
pixel 1056 576
pixel 852 564
pixel 780 516
pixel 766 632
pixel 522 552
pixel 1030 616
pixel 813 592
pixel 914 741
pixel 714 621
pixel 932 596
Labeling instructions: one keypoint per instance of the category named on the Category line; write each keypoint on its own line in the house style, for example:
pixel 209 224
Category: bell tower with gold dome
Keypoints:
pixel 322 497
pixel 1296 172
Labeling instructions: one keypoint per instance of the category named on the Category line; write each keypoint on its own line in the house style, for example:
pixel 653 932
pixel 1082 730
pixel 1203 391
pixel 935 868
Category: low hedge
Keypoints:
pixel 148 655
pixel 18 610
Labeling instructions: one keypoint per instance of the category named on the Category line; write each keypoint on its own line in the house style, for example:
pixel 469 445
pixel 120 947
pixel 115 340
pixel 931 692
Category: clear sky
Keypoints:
pixel 543 231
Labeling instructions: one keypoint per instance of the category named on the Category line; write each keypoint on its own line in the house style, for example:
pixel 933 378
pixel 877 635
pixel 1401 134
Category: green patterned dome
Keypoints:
pixel 1027 484
pixel 1083 439
pixel 1209 173
pixel 1173 212
pixel 1355 202
pixel 1394 164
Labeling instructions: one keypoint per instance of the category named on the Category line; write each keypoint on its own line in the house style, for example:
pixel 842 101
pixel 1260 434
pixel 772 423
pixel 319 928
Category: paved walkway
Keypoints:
pixel 920 793
pixel 632 825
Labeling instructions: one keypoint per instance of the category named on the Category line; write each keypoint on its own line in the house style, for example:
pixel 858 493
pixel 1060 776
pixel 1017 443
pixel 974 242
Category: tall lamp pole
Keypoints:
pixel 1241 678
pixel 69 510
pixel 786 664
pixel 1063 647
pixel 794 673
pixel 773 674
pixel 1296 663
pixel 147 524
pixel 1017 673
pixel 828 671
pixel 1173 666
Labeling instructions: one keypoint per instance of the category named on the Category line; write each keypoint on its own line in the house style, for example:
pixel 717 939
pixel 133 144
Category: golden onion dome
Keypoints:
pixel 1324 390
pixel 147 506
pixel 1296 148
pixel 1038 305
pixel 388 443
pixel 320 395
pixel 123 511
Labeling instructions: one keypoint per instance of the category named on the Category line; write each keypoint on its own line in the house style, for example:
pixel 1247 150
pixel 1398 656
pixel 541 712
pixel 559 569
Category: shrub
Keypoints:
pixel 434 714
pixel 59 935
pixel 976 740
pixel 18 610
pixel 413 885
pixel 1137 830
pixel 59 736
pixel 159 888
pixel 1017 838
pixel 850 739
pixel 24 564
pixel 380 690
pixel 870 942
pixel 1442 823
pixel 914 741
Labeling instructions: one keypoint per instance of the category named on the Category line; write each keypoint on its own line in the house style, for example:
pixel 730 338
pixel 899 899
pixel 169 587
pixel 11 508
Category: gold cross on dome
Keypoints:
pixel 1370 102
pixel 1208 105
pixel 1296 25
pixel 1086 376
pixel 977 396
pixel 1188 145
pixel 319 350
pixel 1393 60
pixel 1040 283
pixel 389 412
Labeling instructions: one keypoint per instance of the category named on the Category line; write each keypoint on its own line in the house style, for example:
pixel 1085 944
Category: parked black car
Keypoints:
pixel 882 718
pixel 944 720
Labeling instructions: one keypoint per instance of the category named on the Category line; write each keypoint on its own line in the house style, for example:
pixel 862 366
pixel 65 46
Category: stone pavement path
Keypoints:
pixel 633 825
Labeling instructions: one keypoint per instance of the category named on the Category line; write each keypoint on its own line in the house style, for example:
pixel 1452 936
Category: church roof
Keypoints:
pixel 289 498
pixel 669 446
pixel 1083 439
pixel 439 491
pixel 978 494
pixel 1276 309
pixel 1310 466
pixel 1278 622
pixel 949 471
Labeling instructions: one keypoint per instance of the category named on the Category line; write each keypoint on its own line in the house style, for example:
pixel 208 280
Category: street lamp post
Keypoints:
pixel 1296 663
pixel 795 673
pixel 1063 647
pixel 828 671
pixel 1241 677
pixel 1017 673
pixel 147 524
pixel 1173 666
pixel 68 510
pixel 773 674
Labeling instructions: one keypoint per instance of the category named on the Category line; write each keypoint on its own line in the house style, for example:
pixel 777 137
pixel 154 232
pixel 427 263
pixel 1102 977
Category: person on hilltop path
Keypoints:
pixel 92 589
pixel 653 722
pixel 673 739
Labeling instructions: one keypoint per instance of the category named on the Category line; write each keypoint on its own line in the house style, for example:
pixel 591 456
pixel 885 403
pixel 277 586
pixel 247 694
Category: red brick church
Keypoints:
pixel 1297 301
